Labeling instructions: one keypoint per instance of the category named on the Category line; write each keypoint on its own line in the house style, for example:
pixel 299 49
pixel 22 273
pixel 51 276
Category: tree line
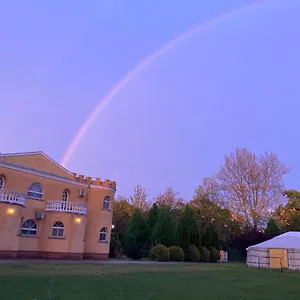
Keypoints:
pixel 243 203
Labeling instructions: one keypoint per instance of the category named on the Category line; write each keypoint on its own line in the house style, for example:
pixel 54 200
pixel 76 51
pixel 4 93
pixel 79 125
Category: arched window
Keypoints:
pixel 35 191
pixel 1 182
pixel 29 227
pixel 106 203
pixel 58 229
pixel 102 237
pixel 65 195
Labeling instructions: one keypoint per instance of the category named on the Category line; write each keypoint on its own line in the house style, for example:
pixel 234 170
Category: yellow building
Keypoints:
pixel 48 212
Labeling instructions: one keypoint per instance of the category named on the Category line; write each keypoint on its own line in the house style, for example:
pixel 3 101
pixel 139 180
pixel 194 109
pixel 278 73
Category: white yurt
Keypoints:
pixel 282 251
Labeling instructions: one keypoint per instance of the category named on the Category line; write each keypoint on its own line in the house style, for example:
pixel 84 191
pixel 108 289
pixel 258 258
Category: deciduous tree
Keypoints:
pixel 251 185
pixel 139 199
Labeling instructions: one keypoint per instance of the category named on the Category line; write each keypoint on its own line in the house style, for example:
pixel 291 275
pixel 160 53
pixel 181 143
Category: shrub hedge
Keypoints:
pixel 192 254
pixel 159 253
pixel 205 254
pixel 176 253
pixel 214 255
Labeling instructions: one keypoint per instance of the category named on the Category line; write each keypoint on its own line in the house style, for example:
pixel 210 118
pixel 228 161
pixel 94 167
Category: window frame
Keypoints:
pixel 65 195
pixel 2 182
pixel 32 227
pixel 58 229
pixel 106 203
pixel 103 232
pixel 34 193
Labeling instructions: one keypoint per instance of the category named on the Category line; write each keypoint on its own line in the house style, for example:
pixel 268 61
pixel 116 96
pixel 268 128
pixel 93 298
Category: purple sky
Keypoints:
pixel 235 84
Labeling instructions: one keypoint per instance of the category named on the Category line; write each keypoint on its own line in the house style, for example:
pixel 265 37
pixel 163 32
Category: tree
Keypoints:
pixel 136 236
pixel 187 229
pixel 251 185
pixel 207 241
pixel 115 248
pixel 272 228
pixel 208 213
pixel 152 217
pixel 215 241
pixel 164 231
pixel 169 198
pixel 288 216
pixel 139 199
pixel 122 212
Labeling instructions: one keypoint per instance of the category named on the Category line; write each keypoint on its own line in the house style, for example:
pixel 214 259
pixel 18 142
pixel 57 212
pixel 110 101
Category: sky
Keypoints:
pixel 234 84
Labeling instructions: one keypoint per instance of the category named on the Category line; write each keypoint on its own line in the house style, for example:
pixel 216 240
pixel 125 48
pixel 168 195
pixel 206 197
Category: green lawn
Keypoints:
pixel 140 282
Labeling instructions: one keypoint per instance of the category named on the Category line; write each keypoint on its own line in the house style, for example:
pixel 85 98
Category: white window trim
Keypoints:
pixel 106 201
pixel 57 229
pixel 2 182
pixel 35 192
pixel 65 196
pixel 103 232
pixel 29 228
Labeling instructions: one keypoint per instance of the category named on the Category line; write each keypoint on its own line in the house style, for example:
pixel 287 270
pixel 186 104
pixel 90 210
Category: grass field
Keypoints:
pixel 143 282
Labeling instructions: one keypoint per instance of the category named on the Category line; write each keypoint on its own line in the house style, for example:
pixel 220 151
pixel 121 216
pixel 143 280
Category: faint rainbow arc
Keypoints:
pixel 144 63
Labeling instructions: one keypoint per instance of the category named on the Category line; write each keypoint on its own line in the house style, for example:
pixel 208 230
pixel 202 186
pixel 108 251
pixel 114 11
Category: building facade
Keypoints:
pixel 48 212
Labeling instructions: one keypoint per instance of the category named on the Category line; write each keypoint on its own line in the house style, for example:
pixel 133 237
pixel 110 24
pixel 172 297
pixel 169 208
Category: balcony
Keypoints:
pixel 12 197
pixel 66 206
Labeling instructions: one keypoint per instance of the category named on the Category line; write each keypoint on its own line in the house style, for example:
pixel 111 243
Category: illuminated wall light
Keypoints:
pixel 112 226
pixel 10 211
pixel 77 220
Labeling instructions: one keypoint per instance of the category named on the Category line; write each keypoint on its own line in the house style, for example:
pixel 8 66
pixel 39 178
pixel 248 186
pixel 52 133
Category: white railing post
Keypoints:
pixel 12 197
pixel 66 206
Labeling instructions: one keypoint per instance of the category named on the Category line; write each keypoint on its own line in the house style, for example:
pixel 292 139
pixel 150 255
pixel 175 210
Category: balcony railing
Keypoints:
pixel 12 197
pixel 66 206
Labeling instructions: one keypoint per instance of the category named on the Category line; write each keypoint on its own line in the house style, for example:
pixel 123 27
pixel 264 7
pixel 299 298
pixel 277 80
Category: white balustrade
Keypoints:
pixel 67 206
pixel 12 197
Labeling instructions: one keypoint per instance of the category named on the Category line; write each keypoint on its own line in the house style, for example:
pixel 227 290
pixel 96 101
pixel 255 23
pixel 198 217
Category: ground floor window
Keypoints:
pixel 29 227
pixel 58 229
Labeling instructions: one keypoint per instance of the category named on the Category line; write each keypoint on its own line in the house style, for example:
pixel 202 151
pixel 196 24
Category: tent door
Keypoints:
pixel 278 258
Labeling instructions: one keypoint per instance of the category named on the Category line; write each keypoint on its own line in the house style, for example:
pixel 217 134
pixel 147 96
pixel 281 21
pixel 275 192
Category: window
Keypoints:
pixel 65 195
pixel 102 237
pixel 35 191
pixel 29 227
pixel 106 203
pixel 58 229
pixel 1 182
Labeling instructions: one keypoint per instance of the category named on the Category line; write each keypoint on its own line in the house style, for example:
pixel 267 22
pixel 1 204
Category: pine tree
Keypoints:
pixel 272 228
pixel 187 229
pixel 164 231
pixel 136 235
pixel 152 218
pixel 215 239
pixel 207 238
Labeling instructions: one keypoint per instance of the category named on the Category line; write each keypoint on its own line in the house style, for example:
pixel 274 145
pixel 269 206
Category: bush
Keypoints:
pixel 205 254
pixel 176 253
pixel 214 255
pixel 159 253
pixel 115 249
pixel 192 254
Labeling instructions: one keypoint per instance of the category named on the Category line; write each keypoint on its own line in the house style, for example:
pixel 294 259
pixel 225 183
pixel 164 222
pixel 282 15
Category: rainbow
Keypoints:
pixel 144 63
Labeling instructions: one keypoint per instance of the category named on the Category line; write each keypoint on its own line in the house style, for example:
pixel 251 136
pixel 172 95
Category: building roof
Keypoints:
pixel 288 240
pixel 35 153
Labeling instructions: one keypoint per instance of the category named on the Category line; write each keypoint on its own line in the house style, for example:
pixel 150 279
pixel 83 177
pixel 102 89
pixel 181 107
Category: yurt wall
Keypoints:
pixel 258 257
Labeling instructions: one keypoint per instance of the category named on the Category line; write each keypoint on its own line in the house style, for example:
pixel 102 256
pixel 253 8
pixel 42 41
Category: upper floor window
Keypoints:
pixel 106 203
pixel 29 227
pixel 102 236
pixel 35 191
pixel 1 182
pixel 58 229
pixel 65 195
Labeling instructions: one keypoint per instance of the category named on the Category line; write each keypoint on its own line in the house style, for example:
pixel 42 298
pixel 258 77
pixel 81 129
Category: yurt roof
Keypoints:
pixel 288 240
